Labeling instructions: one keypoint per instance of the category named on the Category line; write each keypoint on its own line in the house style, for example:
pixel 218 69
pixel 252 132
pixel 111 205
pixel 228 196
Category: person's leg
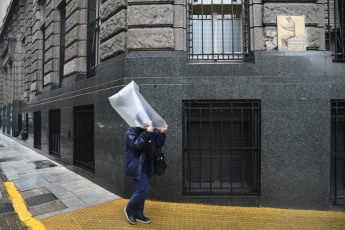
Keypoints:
pixel 145 185
pixel 135 204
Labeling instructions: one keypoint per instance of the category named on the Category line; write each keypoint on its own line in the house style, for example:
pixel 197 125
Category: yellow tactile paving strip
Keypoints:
pixel 165 215
pixel 21 209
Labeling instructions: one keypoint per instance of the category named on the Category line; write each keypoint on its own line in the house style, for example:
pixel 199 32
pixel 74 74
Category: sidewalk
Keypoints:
pixel 57 198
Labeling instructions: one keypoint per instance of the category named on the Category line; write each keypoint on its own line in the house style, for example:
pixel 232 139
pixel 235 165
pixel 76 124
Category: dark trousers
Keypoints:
pixel 137 202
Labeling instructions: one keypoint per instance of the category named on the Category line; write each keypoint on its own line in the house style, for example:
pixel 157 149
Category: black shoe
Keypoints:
pixel 143 219
pixel 130 217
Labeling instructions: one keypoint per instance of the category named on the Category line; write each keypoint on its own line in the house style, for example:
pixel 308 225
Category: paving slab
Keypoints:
pixel 88 206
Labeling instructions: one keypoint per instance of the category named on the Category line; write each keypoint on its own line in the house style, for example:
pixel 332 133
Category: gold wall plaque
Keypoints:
pixel 291 33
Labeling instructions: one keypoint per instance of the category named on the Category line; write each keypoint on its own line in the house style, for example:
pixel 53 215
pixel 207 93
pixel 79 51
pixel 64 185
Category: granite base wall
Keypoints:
pixel 295 90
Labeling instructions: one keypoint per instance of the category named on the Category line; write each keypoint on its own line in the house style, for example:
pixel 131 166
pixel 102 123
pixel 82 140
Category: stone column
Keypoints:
pixel 313 10
pixel 256 26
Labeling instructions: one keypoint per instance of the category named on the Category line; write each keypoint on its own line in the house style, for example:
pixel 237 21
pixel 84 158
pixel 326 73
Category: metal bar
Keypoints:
pixel 221 147
pixel 199 149
pixel 335 155
pixel 202 29
pixel 231 143
pixel 232 30
pixel 223 29
pixel 242 143
pixel 210 146
pixel 335 29
pixel 342 29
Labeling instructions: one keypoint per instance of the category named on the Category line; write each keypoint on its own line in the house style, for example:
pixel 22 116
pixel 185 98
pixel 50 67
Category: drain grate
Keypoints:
pixel 6 207
pixel 5 159
pixel 40 199
pixel 41 164
pixel 29 183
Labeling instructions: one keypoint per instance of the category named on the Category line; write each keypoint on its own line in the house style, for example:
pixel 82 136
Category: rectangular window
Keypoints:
pixel 43 53
pixel 221 147
pixel 218 29
pixel 93 37
pixel 84 138
pixel 62 41
pixel 37 130
pixel 54 133
pixel 335 27
pixel 338 152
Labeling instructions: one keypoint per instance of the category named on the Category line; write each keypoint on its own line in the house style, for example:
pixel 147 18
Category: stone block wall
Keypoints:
pixel 28 47
pixel 51 24
pixel 256 24
pixel 150 25
pixel 76 37
pixel 113 29
pixel 313 10
pixel 12 55
pixel 141 25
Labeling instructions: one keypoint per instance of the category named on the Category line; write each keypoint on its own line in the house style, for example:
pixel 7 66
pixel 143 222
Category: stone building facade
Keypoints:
pixel 211 68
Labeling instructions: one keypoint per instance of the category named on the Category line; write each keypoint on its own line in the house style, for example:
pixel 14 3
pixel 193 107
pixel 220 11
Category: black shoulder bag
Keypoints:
pixel 160 162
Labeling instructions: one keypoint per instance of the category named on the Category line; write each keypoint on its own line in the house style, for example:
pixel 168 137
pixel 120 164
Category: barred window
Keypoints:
pixel 338 152
pixel 218 29
pixel 62 40
pixel 92 37
pixel 335 28
pixel 37 130
pixel 43 31
pixel 221 147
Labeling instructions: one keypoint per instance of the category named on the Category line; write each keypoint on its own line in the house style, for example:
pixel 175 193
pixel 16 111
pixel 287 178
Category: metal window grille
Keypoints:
pixel 62 41
pixel 338 152
pixel 218 30
pixel 27 121
pixel 92 36
pixel 37 130
pixel 335 28
pixel 221 147
pixel 20 122
pixel 54 133
pixel 84 138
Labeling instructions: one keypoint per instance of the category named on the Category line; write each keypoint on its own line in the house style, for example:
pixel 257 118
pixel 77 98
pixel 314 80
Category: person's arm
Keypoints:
pixel 160 137
pixel 136 141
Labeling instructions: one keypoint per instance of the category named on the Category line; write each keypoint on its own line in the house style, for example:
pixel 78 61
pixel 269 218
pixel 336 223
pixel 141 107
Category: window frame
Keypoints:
pixel 334 36
pixel 93 40
pixel 337 155
pixel 244 27
pixel 186 164
pixel 62 10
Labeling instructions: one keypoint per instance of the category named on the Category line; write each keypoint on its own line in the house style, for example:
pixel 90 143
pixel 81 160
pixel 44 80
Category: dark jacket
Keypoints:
pixel 136 139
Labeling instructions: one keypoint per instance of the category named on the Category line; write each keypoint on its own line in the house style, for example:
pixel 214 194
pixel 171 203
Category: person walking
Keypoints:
pixel 141 145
